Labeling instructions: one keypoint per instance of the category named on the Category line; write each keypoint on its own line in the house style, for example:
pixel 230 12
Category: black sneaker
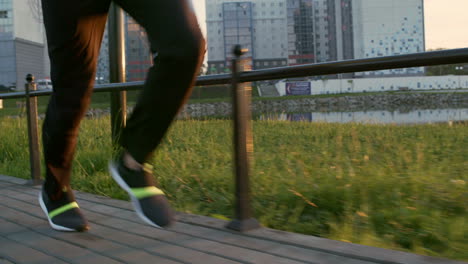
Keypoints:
pixel 63 214
pixel 149 202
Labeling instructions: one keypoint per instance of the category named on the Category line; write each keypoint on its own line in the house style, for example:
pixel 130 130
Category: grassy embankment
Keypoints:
pixel 399 187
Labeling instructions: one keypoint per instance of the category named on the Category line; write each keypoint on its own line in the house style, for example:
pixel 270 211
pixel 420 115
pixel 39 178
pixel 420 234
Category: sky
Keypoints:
pixel 445 22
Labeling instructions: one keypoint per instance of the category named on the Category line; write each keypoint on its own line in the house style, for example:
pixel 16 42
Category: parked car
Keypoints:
pixel 44 84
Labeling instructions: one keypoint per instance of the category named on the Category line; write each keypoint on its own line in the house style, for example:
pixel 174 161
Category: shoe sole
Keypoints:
pixel 54 226
pixel 136 205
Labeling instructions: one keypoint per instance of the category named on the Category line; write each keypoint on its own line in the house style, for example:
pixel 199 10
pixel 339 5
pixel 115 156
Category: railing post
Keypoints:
pixel 33 135
pixel 117 70
pixel 243 144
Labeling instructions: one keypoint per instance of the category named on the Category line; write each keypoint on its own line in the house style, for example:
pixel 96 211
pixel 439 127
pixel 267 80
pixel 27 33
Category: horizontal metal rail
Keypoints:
pixel 359 65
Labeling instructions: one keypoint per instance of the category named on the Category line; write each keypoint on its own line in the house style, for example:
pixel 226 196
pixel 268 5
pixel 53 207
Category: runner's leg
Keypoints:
pixel 179 47
pixel 74 32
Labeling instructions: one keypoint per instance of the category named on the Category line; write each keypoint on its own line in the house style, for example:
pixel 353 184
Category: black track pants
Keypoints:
pixel 74 32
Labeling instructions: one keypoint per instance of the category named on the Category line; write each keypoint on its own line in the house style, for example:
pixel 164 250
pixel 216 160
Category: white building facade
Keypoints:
pixel 385 28
pixel 22 43
pixel 362 85
pixel 292 32
pixel 262 29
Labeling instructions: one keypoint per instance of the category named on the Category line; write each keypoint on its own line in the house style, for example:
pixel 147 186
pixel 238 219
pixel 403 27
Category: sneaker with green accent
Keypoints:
pixel 149 202
pixel 63 214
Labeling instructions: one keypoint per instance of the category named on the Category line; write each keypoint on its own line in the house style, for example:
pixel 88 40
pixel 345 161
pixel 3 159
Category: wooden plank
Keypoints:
pixel 7 227
pixel 56 248
pixel 138 256
pixel 19 253
pixel 273 242
pixel 9 179
pixel 262 250
pixel 273 248
pixel 82 239
pixel 235 239
pixel 347 250
pixel 5 261
pixel 6 184
pixel 142 231
pixel 185 255
pixel 40 236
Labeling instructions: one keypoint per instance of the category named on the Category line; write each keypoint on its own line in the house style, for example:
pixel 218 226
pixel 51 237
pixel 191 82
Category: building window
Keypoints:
pixel 3 14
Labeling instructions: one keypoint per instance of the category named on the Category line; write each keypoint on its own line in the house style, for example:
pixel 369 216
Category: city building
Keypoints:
pixel 339 30
pixel 372 84
pixel 259 26
pixel 23 47
pixel 22 43
pixel 292 32
pixel 137 53
pixel 385 28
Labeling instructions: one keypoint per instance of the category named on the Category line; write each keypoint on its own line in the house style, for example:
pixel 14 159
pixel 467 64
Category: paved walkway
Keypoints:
pixel 117 236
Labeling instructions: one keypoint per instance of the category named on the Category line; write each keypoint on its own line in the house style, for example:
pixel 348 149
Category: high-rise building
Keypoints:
pixel 138 52
pixel 102 72
pixel 237 27
pixel 22 43
pixel 290 32
pixel 284 32
pixel 385 28
pixel 339 30
pixel 301 32
pixel 138 55
pixel 260 26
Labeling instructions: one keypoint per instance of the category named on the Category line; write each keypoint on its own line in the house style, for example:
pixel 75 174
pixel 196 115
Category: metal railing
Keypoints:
pixel 241 104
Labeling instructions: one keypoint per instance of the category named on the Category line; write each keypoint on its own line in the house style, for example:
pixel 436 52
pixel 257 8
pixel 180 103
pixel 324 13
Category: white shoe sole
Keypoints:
pixel 136 205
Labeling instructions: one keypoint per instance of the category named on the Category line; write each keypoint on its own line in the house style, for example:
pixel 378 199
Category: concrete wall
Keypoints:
pixel 27 20
pixel 375 117
pixel 383 84
pixel 29 59
pixel 385 28
pixel 7 63
pixel 402 102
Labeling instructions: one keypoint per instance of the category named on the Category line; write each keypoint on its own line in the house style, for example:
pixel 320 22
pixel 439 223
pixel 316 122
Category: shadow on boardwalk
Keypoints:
pixel 117 236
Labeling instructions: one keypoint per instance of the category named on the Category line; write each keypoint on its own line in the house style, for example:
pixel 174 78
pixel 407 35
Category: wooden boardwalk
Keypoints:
pixel 117 236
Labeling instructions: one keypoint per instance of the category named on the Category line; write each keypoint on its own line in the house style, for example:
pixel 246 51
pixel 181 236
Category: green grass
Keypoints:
pixel 391 186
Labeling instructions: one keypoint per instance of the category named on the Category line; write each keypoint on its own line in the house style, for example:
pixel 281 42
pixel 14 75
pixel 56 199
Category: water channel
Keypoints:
pixel 374 117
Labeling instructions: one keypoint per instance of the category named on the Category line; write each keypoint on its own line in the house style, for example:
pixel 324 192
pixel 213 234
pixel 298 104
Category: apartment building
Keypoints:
pixel 22 43
pixel 292 32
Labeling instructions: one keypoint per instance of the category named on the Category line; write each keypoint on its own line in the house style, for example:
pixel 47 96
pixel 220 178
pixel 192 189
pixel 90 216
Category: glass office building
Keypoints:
pixel 292 32
pixel 301 36
pixel 237 22
pixel 138 51
pixel 138 55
